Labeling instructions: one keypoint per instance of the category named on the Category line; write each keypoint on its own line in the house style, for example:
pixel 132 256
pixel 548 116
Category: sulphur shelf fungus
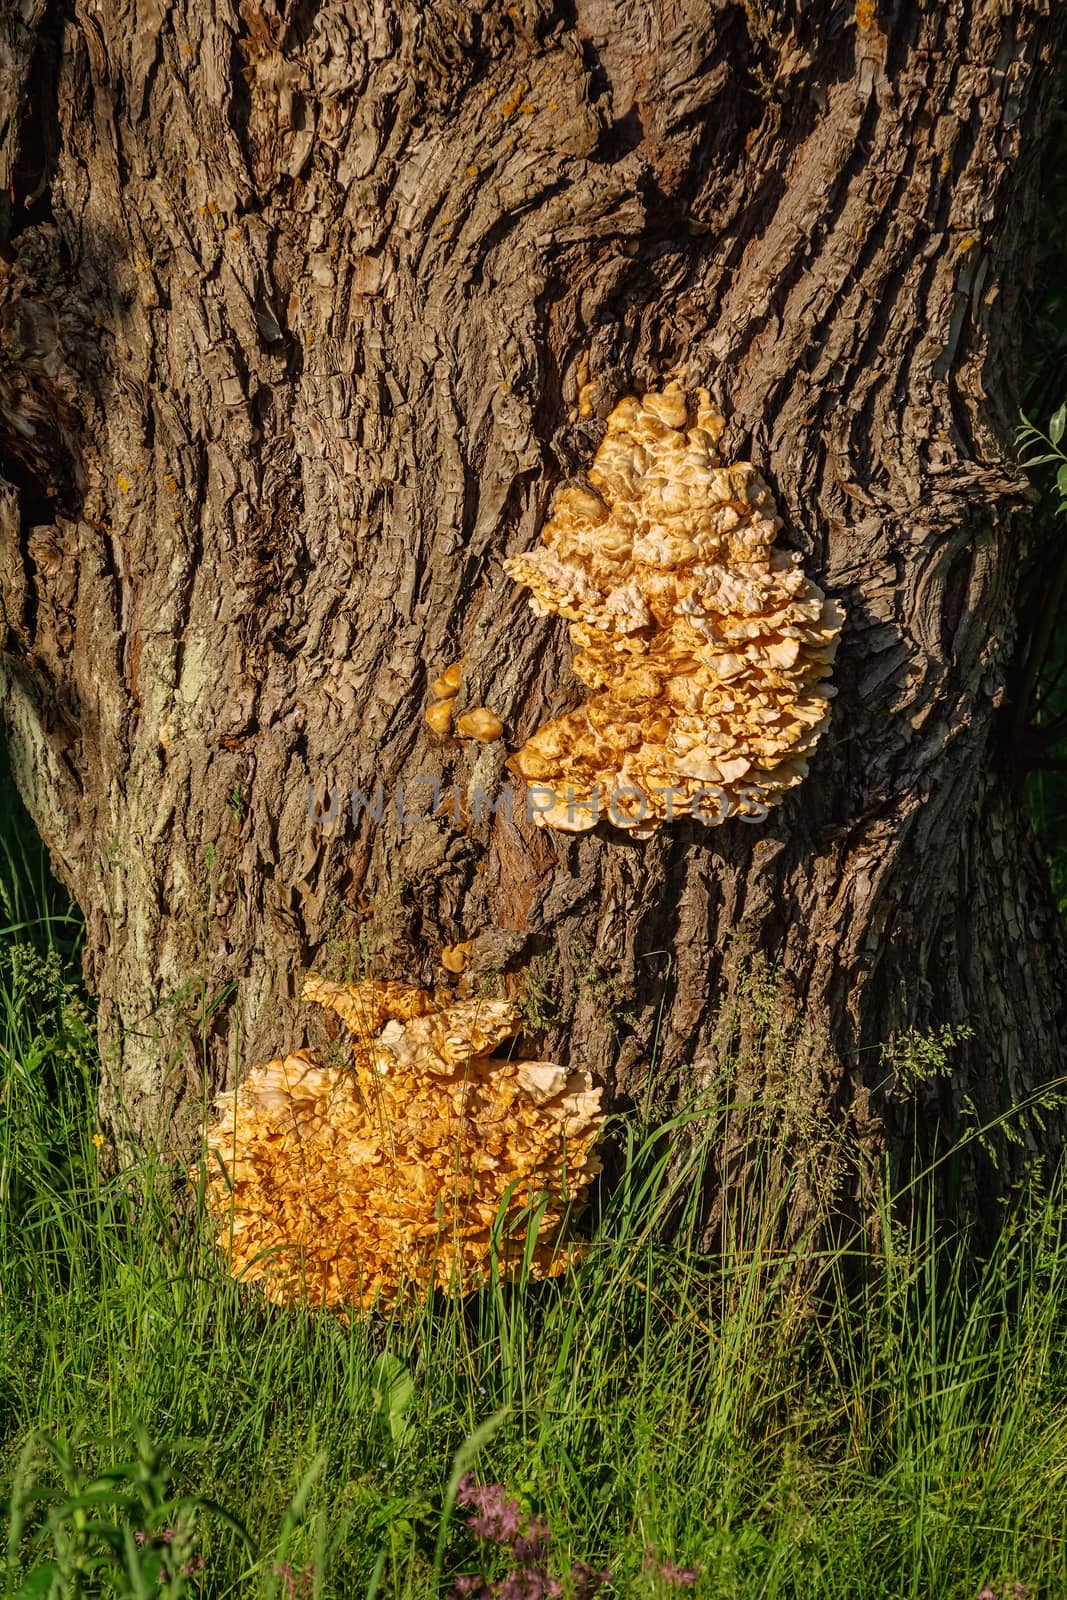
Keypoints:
pixel 707 648
pixel 370 1185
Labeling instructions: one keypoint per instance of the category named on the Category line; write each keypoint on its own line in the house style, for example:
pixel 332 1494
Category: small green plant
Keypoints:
pixel 360 942
pixel 915 1056
pixel 1041 448
pixel 537 1001
pixel 120 1530
pixel 608 993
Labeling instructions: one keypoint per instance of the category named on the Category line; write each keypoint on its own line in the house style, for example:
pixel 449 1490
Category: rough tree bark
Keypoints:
pixel 297 302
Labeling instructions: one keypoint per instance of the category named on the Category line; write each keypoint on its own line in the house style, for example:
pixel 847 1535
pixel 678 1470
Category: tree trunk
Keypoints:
pixel 309 309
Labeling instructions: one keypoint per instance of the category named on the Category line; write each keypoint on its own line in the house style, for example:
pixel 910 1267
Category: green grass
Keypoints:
pixel 909 1439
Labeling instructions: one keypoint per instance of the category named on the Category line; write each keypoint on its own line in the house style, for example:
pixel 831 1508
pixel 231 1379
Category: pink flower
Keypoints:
pixel 683 1577
pixel 297 1584
pixel 586 1580
pixel 471 1586
pixel 497 1516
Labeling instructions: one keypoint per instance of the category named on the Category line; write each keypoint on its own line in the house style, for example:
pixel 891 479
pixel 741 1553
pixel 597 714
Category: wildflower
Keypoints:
pixel 498 1519
pixel 98 1140
pixel 197 1564
pixel 669 1572
pixel 986 1593
pixel 586 1580
pixel 471 1586
pixel 529 1583
pixel 497 1516
pixel 498 1526
pixel 139 1537
pixel 297 1584
pixel 530 1547
pixel 683 1577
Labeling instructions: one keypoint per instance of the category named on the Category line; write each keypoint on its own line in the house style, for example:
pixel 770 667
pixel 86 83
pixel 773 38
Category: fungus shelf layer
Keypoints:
pixel 707 648
pixel 370 1185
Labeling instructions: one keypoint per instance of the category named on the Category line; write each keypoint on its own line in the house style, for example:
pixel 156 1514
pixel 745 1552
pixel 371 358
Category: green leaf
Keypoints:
pixel 407 1512
pixel 97 1495
pixel 294 1511
pixel 376 1575
pixel 393 1392
pixel 1057 424
pixel 1061 485
pixel 39 1583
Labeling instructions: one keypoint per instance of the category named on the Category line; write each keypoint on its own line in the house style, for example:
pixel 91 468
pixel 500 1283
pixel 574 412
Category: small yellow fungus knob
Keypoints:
pixel 448 682
pixel 481 723
pixel 454 957
pixel 439 716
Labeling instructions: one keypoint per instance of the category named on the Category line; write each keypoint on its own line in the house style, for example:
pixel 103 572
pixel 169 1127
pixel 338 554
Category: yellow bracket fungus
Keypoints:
pixel 707 647
pixel 368 1186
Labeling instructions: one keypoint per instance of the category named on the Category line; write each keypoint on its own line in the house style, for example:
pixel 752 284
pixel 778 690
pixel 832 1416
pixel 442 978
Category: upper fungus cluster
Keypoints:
pixel 706 647
pixel 367 1184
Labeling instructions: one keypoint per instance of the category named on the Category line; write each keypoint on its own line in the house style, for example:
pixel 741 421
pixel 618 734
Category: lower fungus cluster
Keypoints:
pixel 707 648
pixel 414 1168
